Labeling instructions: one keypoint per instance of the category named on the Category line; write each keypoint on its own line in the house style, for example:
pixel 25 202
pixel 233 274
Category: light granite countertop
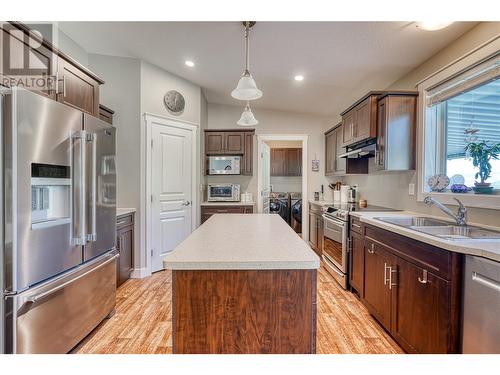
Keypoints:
pixel 124 211
pixel 487 248
pixel 242 242
pixel 227 204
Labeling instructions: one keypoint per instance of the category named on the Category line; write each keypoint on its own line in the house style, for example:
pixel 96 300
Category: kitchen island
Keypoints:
pixel 243 284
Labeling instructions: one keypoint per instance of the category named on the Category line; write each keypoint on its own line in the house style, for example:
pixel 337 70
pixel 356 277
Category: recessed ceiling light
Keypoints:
pixel 189 63
pixel 433 25
pixel 298 78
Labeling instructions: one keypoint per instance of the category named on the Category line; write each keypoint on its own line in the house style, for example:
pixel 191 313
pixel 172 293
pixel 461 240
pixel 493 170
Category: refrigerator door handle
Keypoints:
pixel 79 186
pixel 92 236
pixel 41 296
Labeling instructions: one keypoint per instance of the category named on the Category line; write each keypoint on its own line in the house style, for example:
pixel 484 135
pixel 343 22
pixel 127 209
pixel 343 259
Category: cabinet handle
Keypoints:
pixel 221 211
pixel 391 271
pixel 372 249
pixel 121 222
pixel 357 226
pixel 424 279
pixel 376 161
pixel 385 273
pixel 63 80
pixel 352 130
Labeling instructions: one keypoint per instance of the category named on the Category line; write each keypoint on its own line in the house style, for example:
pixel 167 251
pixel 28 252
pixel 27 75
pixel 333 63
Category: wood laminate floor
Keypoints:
pixel 143 321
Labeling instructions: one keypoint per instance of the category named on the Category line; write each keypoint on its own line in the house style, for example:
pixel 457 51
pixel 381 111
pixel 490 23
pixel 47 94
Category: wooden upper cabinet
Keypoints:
pixel 340 164
pixel 330 152
pixel 231 142
pixel 348 128
pixel 106 114
pixel 73 84
pixel 77 89
pixel 225 142
pixel 234 143
pixel 23 56
pixel 278 161
pixel 422 325
pixel 248 155
pixel 286 162
pixel 214 143
pixel 334 164
pixel 359 121
pixel 294 162
pixel 396 131
pixel 366 119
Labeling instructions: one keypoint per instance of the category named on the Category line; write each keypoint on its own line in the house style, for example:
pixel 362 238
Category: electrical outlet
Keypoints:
pixel 411 189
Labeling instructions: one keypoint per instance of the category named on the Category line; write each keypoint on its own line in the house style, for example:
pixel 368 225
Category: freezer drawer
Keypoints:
pixel 481 328
pixel 55 316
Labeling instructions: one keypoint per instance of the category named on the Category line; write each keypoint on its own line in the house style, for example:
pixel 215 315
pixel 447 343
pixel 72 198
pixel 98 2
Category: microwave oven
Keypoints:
pixel 223 192
pixel 224 164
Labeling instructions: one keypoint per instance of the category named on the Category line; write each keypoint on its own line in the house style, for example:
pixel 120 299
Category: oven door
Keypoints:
pixel 220 193
pixel 335 249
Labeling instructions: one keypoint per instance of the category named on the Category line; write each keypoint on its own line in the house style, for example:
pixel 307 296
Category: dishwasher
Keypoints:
pixel 481 306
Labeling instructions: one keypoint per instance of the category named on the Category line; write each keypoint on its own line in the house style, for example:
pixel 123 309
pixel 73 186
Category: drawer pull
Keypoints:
pixel 424 279
pixel 221 211
pixel 356 225
pixel 121 222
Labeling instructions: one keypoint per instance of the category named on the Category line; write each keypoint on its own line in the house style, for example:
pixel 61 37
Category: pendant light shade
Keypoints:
pixel 247 118
pixel 247 88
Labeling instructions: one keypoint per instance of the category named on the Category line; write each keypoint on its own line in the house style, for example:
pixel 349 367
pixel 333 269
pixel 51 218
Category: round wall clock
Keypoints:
pixel 174 101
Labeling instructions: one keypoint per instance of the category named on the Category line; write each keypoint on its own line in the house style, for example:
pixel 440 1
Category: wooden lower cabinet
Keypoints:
pixel 422 301
pixel 316 230
pixel 413 289
pixel 357 263
pixel 377 293
pixel 208 211
pixel 125 247
pixel 244 311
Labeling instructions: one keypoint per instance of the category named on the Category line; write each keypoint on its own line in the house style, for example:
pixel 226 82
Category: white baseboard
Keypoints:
pixel 140 273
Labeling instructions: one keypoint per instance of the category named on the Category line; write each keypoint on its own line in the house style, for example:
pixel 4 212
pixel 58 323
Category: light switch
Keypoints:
pixel 411 189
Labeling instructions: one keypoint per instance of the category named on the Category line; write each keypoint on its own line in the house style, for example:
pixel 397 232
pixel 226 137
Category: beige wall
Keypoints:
pixel 132 88
pixel 391 189
pixel 274 122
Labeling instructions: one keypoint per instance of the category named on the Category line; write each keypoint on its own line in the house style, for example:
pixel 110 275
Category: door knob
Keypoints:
pixel 185 203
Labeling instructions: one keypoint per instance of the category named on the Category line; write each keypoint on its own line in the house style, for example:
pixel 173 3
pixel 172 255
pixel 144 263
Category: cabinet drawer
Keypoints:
pixel 434 259
pixel 356 226
pixel 223 210
pixel 124 220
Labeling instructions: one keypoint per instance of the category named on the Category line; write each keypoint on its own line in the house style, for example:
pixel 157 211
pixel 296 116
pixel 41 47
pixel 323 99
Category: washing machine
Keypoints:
pixel 296 212
pixel 279 203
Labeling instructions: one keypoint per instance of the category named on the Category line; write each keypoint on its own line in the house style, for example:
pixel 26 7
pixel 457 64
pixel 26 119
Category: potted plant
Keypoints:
pixel 481 153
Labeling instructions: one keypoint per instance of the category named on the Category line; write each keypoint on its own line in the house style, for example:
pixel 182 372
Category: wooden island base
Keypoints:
pixel 244 311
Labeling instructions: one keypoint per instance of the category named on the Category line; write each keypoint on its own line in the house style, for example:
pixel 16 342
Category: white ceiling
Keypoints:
pixel 341 61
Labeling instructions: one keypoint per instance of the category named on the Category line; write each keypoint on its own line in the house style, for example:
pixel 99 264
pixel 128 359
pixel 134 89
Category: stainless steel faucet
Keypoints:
pixel 460 217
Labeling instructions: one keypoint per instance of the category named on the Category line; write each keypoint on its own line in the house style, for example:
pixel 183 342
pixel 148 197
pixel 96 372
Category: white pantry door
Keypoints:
pixel 265 176
pixel 171 175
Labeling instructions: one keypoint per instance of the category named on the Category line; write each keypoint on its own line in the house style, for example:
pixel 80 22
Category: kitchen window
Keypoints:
pixel 462 110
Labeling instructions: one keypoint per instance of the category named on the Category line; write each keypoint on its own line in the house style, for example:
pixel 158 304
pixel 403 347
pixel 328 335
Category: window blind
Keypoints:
pixel 482 73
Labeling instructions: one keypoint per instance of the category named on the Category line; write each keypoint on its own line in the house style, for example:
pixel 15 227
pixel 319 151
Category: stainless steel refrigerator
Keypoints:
pixel 58 257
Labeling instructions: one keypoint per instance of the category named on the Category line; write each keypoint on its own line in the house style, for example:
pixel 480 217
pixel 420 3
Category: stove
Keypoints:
pixel 341 210
pixel 336 238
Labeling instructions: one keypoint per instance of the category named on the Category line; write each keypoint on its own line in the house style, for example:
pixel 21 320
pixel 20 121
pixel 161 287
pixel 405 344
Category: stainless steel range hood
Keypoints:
pixel 361 151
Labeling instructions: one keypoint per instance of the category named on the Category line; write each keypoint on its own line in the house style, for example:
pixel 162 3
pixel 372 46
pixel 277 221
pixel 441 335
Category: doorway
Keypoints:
pixel 282 179
pixel 171 194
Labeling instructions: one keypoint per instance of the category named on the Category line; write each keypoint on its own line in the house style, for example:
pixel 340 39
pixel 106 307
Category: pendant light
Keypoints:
pixel 247 88
pixel 247 118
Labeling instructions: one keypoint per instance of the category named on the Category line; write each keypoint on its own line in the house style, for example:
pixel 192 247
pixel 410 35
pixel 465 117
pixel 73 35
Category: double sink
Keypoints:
pixel 440 228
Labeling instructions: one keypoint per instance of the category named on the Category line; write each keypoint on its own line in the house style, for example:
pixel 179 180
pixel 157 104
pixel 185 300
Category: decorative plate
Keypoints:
pixel 438 182
pixel 457 179
pixel 174 101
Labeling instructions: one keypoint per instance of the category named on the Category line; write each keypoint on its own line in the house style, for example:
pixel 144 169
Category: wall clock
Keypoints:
pixel 174 101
